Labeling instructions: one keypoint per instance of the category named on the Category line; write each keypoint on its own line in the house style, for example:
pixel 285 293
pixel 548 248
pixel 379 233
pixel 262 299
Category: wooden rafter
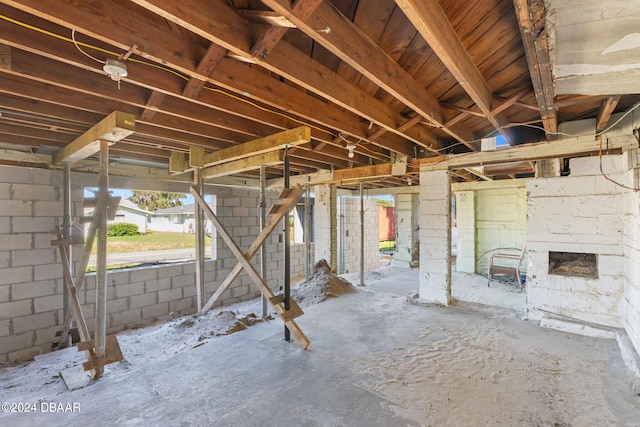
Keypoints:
pixel 432 23
pixel 534 39
pixel 348 43
pixel 607 107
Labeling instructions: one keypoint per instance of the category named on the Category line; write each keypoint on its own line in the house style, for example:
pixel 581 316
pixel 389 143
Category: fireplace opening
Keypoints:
pixel 573 264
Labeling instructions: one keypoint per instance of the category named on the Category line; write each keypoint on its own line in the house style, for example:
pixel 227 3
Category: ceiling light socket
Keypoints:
pixel 115 69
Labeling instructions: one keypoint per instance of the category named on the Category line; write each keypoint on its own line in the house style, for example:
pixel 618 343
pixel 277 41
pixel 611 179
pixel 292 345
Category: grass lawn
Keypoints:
pixel 154 241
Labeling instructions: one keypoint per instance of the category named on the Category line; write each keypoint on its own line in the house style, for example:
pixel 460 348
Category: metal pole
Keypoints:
pixel 199 185
pixel 361 234
pixel 307 232
pixel 66 235
pixel 287 252
pixel 262 210
pixel 101 259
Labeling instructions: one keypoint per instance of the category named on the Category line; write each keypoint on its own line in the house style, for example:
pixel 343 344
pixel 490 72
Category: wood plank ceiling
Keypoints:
pixel 399 80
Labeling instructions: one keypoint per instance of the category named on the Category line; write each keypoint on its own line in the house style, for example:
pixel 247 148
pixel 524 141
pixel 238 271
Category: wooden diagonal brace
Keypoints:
pixel 255 276
pixel 292 199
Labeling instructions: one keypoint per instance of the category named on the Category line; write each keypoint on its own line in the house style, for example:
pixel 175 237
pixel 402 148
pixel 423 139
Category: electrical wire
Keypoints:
pixel 607 177
pixel 73 38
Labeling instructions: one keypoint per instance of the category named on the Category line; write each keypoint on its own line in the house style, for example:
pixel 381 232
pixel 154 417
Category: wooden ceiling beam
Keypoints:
pixel 347 42
pixel 166 48
pixel 243 165
pixel 434 26
pixel 534 39
pixel 211 59
pixel 112 129
pixel 292 137
pixel 607 107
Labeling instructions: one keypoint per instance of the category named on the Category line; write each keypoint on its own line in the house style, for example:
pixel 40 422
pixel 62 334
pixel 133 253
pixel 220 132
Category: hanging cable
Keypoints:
pixel 73 38
pixel 607 177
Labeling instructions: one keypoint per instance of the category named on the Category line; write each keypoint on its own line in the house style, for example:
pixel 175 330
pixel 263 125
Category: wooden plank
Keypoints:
pixel 196 157
pixel 528 152
pixel 249 268
pixel 177 162
pixel 243 165
pixel 607 106
pixel 112 353
pixel 291 137
pixel 153 104
pixel 112 129
pixel 214 55
pixel 534 40
pixel 273 222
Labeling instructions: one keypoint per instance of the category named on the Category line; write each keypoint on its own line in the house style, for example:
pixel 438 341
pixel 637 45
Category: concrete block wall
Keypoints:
pixel 501 223
pixel 579 213
pixel 31 282
pixel 435 236
pixel 405 227
pixel 466 231
pixel 350 235
pixel 631 250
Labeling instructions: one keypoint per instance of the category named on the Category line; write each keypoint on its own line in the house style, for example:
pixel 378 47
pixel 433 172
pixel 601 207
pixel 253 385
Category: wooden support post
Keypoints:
pixel 361 235
pixel 307 232
pixel 253 273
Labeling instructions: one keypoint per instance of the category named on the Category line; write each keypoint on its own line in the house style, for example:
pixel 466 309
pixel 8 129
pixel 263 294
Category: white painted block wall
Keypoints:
pixel 631 250
pixel 351 235
pixel 435 236
pixel 405 228
pixel 466 231
pixel 580 213
pixel 501 223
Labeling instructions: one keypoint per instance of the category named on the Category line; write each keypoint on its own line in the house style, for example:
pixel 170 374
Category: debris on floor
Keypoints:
pixel 320 285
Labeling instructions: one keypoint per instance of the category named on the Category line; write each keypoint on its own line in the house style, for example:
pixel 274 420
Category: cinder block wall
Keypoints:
pixel 632 257
pixel 351 235
pixel 580 213
pixel 501 223
pixel 31 281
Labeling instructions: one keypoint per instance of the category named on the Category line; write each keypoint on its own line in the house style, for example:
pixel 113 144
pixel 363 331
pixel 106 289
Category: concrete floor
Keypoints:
pixel 374 360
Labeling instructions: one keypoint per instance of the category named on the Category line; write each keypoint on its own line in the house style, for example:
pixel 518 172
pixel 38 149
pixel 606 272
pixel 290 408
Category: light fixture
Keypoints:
pixel 351 147
pixel 115 69
pixel 409 181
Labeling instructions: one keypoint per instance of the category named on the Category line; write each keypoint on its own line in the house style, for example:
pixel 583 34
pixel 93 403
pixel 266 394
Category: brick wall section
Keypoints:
pixel 351 235
pixel 31 284
pixel 579 213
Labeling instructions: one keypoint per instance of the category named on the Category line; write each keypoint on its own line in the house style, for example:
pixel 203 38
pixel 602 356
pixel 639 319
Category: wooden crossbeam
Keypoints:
pixel 113 128
pixel 253 273
pixel 274 221
pixel 275 142
pixel 526 152
pixel 243 165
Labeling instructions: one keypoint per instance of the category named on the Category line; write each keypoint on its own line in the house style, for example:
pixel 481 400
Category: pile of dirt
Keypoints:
pixel 320 285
